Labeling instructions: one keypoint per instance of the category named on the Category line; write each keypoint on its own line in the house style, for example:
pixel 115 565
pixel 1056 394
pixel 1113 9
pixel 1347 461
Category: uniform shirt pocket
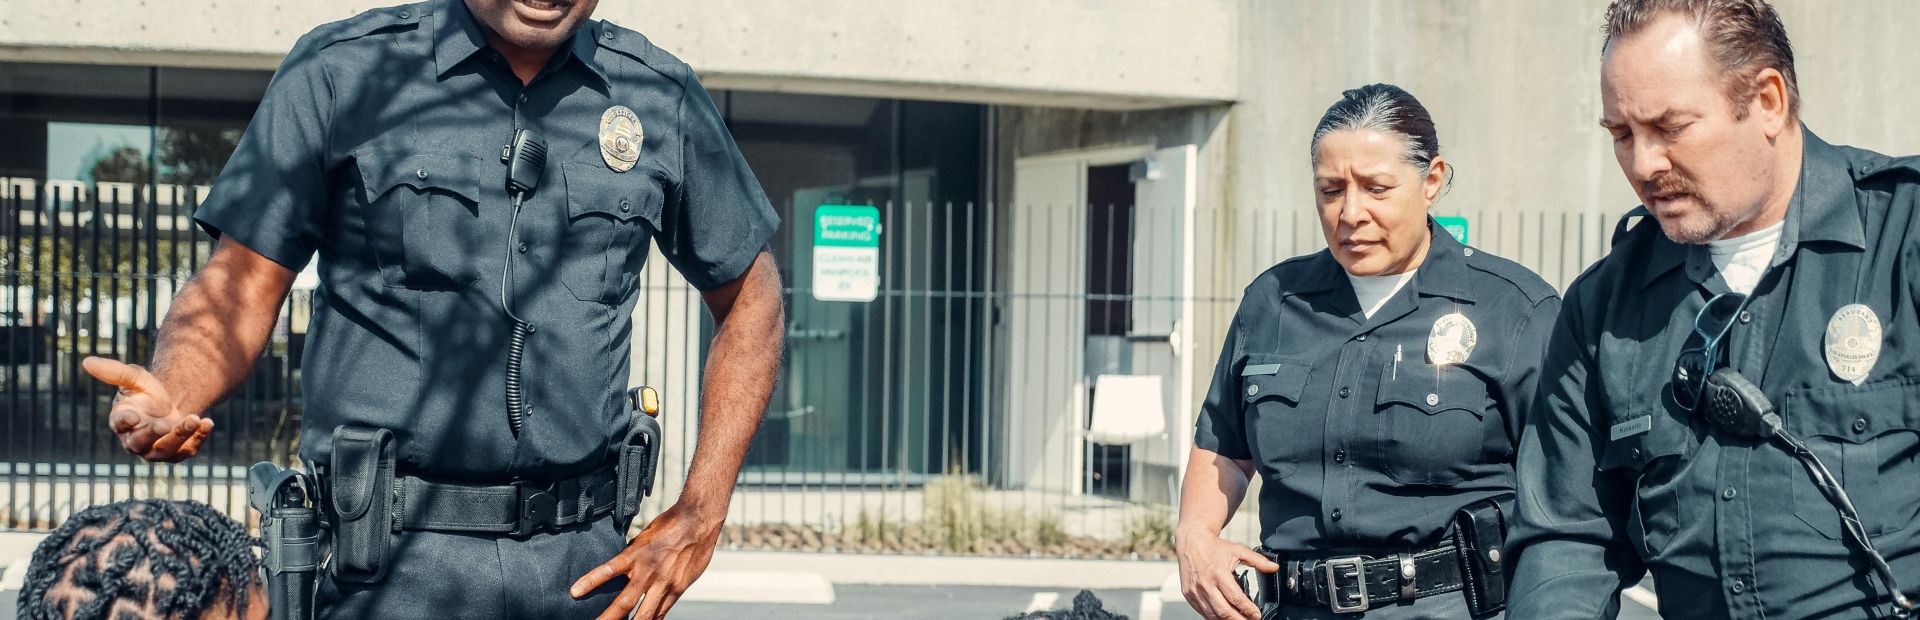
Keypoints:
pixel 610 218
pixel 1860 433
pixel 423 217
pixel 1434 423
pixel 1284 433
pixel 1646 446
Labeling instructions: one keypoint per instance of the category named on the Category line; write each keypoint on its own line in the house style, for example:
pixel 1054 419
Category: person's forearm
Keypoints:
pixel 743 362
pixel 217 325
pixel 1211 491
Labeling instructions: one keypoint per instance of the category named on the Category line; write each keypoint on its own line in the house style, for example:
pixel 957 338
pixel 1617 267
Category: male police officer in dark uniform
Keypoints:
pixel 1811 249
pixel 383 146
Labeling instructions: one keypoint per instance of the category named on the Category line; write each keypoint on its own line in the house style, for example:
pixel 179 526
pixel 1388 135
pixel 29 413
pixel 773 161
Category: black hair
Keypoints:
pixel 1387 109
pixel 139 559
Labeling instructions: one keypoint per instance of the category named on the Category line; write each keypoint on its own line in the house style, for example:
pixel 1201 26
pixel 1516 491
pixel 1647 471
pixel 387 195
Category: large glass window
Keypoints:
pixel 882 388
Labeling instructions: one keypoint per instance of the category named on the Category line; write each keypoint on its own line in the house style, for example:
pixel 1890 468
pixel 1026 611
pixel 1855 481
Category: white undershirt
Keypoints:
pixel 1742 260
pixel 1374 291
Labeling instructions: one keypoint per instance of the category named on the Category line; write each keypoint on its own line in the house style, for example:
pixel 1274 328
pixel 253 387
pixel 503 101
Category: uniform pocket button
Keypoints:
pixel 1859 425
pixel 625 206
pixel 422 173
pixel 1253 389
pixel 1433 399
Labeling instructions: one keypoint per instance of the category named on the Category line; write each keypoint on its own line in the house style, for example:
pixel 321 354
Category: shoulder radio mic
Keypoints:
pixel 1737 407
pixel 526 158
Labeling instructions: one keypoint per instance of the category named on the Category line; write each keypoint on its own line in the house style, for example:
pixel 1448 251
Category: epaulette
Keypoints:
pixel 369 22
pixel 1882 165
pixel 630 43
pixel 1529 283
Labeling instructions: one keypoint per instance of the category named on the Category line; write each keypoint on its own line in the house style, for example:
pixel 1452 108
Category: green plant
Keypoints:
pixel 955 517
pixel 1148 531
pixel 1049 530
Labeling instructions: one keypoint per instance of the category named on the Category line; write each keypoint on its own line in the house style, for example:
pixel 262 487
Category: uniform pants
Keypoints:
pixel 452 575
pixel 1448 606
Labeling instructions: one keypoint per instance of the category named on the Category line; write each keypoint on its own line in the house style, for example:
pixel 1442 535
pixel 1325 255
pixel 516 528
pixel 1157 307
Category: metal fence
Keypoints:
pixel 1023 382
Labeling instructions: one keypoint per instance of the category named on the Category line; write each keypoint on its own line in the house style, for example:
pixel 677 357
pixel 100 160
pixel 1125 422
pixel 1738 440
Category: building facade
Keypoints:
pixel 1071 193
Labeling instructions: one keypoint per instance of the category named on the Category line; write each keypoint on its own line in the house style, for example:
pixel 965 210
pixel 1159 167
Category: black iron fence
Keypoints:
pixel 965 378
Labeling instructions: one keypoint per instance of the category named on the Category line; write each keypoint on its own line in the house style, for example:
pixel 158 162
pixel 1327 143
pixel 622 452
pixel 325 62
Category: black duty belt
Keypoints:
pixel 516 509
pixel 1356 583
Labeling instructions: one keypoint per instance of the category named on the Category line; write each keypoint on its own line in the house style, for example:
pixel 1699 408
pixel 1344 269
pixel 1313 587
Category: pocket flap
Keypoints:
pixel 592 189
pixel 1854 414
pixel 1452 389
pixel 381 171
pixel 1263 379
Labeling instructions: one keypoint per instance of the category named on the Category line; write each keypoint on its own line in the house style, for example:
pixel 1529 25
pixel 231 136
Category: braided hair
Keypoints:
pixel 139 559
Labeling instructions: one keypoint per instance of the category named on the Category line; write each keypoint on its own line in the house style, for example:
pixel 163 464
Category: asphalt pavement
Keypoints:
pixel 853 602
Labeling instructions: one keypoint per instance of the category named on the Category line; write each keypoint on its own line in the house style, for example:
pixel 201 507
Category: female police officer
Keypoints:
pixel 1378 388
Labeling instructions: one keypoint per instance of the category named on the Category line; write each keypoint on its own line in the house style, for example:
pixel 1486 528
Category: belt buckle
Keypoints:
pixel 537 508
pixel 1332 569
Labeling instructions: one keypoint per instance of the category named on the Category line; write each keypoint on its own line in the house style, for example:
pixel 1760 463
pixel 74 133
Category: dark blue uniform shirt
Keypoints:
pixel 378 147
pixel 1358 452
pixel 1615 479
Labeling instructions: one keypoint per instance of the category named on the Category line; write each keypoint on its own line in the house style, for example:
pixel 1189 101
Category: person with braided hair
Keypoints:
pixel 145 560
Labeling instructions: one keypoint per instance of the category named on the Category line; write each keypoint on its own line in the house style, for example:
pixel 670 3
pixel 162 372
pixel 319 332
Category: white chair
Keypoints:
pixel 1128 409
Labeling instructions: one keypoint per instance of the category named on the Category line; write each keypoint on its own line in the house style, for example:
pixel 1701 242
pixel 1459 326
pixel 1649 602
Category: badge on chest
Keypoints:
pixel 620 137
pixel 1452 340
pixel 1853 343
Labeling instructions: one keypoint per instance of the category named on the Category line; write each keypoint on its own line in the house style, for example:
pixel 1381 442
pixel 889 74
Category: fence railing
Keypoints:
pixel 1023 381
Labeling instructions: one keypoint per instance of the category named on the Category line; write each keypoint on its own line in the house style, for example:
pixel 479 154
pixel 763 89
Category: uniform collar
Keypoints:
pixel 1445 272
pixel 1441 274
pixel 1822 210
pixel 458 36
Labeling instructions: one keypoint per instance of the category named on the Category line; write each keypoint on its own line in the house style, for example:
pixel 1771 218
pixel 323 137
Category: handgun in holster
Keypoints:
pixel 1482 531
pixel 290 526
pixel 639 454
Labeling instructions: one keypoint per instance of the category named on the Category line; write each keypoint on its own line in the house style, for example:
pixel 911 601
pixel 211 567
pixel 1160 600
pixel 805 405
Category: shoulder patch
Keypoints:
pixel 370 22
pixel 1530 284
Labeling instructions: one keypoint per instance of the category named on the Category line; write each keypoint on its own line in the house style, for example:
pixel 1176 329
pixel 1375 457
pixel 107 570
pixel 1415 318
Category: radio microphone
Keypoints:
pixel 526 157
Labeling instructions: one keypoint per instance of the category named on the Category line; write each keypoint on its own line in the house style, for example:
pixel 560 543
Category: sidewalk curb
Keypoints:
pixel 761 587
pixel 875 569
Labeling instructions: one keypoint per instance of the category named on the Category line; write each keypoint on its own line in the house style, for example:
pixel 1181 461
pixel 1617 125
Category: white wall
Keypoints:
pixel 1105 54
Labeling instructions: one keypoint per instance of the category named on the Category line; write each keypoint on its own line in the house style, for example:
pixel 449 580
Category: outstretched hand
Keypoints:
pixel 143 414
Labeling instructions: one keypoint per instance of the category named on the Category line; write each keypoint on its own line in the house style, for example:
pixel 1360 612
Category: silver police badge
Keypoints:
pixel 620 138
pixel 1452 340
pixel 1853 342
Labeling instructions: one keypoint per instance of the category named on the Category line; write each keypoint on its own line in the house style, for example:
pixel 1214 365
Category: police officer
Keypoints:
pixel 383 147
pixel 1762 249
pixel 1376 388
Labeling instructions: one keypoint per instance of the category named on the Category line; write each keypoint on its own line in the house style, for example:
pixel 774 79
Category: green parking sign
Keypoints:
pixel 1455 225
pixel 846 253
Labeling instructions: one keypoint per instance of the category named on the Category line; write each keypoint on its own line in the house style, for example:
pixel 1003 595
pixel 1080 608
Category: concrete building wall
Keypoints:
pixel 1514 89
pixel 1110 54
